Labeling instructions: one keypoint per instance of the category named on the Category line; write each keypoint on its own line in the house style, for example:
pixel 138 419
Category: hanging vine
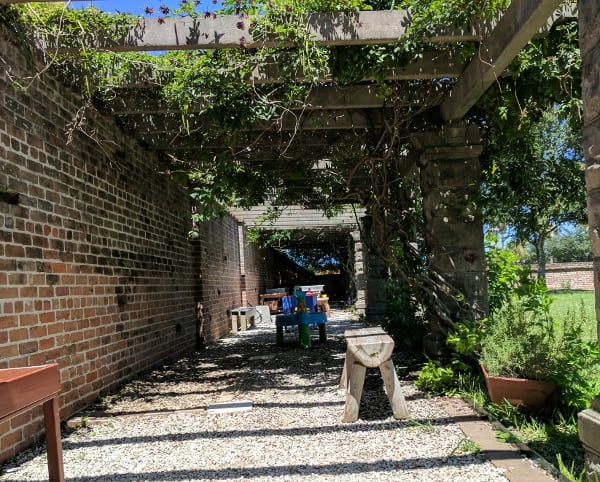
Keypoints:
pixel 218 104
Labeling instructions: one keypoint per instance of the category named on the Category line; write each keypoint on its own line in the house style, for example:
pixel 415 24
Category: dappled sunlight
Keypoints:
pixel 158 427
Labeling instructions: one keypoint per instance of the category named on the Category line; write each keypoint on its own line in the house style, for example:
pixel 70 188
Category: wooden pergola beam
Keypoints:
pixel 331 119
pixel 223 32
pixel 321 97
pixel 519 24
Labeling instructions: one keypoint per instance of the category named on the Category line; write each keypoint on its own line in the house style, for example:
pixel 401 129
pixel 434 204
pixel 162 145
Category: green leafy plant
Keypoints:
pixel 436 377
pixel 522 340
pixel 569 472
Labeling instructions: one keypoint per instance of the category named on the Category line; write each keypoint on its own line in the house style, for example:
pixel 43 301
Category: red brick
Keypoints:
pixel 38 331
pixel 28 320
pixel 7 322
pixel 18 421
pixel 47 317
pixel 8 293
pixel 17 279
pixel 13 251
pixel 17 334
pixel 28 292
pixel 46 343
pixel 28 347
pixel 10 438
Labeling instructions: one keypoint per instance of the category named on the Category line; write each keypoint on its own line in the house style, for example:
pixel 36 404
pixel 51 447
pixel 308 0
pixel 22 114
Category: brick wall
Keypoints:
pixel 576 276
pixel 229 274
pixel 96 269
pixel 97 272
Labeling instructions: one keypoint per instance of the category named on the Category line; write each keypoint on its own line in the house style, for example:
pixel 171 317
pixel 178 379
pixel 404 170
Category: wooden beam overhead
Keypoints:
pixel 335 119
pixel 521 21
pixel 321 97
pixel 223 32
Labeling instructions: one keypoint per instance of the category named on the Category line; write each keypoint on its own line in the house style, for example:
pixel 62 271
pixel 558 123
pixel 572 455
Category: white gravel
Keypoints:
pixel 157 427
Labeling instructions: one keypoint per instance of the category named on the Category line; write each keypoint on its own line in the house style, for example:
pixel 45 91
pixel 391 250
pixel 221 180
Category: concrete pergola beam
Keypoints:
pixel 431 65
pixel 321 97
pixel 331 119
pixel 519 24
pixel 276 142
pixel 223 32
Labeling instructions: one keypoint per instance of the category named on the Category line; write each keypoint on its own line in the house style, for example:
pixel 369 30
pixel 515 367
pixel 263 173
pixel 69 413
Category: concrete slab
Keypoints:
pixel 507 456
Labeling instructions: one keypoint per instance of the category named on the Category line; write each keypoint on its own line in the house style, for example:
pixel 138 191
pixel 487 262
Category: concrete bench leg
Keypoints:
pixel 355 378
pixel 346 371
pixel 392 388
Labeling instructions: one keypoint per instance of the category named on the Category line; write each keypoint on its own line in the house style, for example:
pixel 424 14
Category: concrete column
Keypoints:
pixel 450 183
pixel 359 251
pixel 376 272
pixel 589 42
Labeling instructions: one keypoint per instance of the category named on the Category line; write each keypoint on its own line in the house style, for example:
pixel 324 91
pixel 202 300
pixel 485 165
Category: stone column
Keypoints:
pixel 359 251
pixel 376 272
pixel 589 42
pixel 450 184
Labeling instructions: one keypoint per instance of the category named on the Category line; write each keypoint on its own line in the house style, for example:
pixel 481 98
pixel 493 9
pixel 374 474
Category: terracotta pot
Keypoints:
pixel 518 391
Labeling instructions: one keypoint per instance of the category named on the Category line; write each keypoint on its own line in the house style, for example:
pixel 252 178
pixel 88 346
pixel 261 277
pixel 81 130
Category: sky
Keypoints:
pixel 137 7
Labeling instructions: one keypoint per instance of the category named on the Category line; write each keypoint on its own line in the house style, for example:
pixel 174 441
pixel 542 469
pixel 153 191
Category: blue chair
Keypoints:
pixel 286 305
pixel 311 303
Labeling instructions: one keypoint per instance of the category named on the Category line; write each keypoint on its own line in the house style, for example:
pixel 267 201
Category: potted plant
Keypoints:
pixel 522 352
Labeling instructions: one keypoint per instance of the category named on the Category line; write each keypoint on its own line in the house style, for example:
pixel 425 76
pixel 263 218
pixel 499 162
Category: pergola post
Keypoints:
pixel 375 275
pixel 589 39
pixel 359 253
pixel 450 184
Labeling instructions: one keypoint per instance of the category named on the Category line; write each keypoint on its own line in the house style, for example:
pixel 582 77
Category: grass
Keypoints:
pixel 565 300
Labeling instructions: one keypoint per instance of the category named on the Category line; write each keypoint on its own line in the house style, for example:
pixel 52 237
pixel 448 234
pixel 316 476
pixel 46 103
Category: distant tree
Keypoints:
pixel 570 246
pixel 534 183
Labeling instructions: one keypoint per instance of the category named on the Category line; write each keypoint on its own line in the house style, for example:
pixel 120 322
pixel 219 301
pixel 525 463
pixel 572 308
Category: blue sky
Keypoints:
pixel 137 6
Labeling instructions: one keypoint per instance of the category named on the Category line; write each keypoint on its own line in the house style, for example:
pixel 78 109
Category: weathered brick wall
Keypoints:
pixel 228 274
pixel 576 276
pixel 96 270
pixel 97 273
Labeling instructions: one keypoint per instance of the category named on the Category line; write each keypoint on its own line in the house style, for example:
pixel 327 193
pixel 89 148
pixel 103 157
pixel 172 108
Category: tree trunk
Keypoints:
pixel 541 257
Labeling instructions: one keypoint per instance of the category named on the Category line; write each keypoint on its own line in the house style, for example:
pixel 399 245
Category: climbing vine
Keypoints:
pixel 220 102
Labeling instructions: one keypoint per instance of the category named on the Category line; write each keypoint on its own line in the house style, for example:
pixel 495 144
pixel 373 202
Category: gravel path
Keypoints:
pixel 157 428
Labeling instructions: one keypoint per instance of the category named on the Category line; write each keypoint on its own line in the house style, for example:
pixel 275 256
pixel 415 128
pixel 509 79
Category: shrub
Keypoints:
pixel 522 340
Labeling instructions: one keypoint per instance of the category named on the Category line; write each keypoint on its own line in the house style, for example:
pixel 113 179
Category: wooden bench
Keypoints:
pixel 370 347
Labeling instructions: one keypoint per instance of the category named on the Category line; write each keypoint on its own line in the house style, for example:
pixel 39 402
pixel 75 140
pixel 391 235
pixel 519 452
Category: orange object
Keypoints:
pixel 22 389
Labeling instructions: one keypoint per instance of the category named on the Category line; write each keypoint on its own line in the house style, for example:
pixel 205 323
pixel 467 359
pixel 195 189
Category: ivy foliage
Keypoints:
pixel 218 105
pixel 211 88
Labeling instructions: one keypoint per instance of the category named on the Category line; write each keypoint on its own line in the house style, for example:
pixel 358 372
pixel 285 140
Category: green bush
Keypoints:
pixel 522 340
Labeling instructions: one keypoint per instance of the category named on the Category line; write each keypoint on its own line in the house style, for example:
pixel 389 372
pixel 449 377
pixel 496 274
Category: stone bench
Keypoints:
pixel 370 347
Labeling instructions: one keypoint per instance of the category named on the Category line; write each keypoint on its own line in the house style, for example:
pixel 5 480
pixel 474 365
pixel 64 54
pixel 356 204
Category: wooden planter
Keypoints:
pixel 520 392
